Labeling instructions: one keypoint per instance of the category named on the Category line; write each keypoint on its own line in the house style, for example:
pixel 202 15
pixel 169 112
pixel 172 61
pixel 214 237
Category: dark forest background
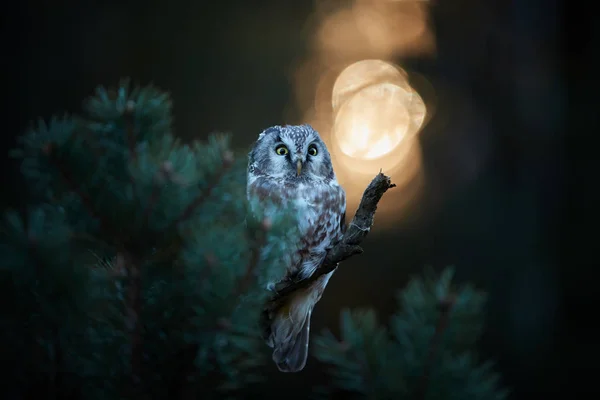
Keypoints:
pixel 524 229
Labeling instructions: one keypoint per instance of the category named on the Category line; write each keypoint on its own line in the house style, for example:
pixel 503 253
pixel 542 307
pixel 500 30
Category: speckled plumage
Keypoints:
pixel 321 205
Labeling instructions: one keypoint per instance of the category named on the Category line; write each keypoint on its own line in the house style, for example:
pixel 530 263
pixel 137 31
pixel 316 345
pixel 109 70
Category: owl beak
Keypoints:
pixel 298 167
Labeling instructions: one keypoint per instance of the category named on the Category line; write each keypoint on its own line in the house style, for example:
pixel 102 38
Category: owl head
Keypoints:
pixel 294 152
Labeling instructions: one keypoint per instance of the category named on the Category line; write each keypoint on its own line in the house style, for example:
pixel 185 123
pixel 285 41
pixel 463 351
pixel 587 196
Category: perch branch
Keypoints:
pixel 445 306
pixel 355 233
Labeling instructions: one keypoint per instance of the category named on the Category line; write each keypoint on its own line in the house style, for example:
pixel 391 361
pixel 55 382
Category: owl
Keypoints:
pixel 290 167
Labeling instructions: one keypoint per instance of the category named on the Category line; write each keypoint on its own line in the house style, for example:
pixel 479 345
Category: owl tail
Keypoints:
pixel 287 326
pixel 290 341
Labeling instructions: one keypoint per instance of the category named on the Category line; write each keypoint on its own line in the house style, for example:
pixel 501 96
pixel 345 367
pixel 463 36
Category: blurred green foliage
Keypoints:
pixel 133 277
pixel 426 352
pixel 141 274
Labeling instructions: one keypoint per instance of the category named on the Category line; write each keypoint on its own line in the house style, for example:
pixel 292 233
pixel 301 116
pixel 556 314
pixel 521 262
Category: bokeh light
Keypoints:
pixel 361 102
pixel 362 74
pixel 375 110
pixel 376 117
pixel 372 123
pixel 380 28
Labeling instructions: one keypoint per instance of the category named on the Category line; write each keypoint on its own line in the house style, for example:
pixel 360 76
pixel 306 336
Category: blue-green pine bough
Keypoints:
pixel 139 274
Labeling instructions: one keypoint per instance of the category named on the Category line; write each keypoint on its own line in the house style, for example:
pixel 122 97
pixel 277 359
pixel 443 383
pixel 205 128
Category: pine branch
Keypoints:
pixel 184 387
pixel 187 390
pixel 55 380
pixel 445 307
pixel 56 390
pixel 50 151
pixel 355 233
pixel 130 136
pixel 254 260
pixel 205 194
pixel 165 170
pixel 133 311
pixel 131 142
pixel 87 137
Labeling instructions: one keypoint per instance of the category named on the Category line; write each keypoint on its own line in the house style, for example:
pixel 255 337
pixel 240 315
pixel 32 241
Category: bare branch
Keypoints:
pixel 361 224
pixel 355 233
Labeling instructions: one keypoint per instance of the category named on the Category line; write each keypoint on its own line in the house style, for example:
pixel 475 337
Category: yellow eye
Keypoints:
pixel 281 150
pixel 312 150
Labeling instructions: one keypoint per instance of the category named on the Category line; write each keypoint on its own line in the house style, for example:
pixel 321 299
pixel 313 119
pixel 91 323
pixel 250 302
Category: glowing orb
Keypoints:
pixel 376 110
pixel 363 74
pixel 372 122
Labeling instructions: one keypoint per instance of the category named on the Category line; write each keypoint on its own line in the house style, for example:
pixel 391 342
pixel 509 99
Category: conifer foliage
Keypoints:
pixel 139 274
pixel 426 352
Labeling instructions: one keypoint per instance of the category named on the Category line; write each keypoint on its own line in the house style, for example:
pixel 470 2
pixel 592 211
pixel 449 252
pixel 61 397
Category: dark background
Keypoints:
pixel 523 228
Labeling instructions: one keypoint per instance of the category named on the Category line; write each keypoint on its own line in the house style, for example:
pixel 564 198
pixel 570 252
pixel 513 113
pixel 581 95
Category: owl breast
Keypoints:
pixel 320 216
pixel 321 210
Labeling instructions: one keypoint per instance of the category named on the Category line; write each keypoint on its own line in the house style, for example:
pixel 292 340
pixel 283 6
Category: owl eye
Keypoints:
pixel 281 150
pixel 312 150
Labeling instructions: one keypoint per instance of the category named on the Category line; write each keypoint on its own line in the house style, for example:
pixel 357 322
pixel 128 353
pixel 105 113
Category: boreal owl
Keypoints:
pixel 291 167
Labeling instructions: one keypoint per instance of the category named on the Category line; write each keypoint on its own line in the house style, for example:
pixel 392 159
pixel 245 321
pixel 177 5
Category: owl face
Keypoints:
pixel 293 152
